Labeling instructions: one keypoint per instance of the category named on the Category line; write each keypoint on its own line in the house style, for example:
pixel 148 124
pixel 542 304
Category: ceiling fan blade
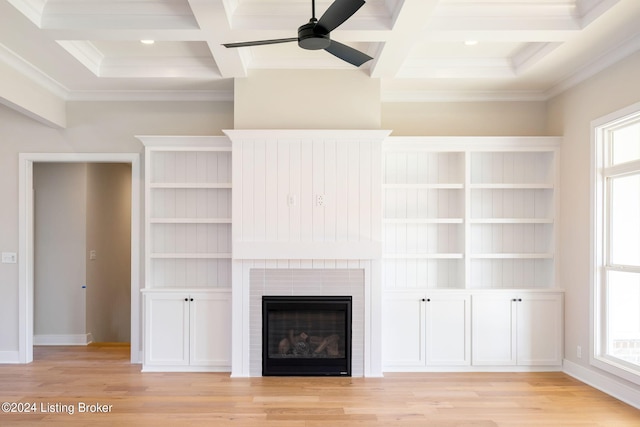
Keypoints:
pixel 348 54
pixel 260 42
pixel 338 12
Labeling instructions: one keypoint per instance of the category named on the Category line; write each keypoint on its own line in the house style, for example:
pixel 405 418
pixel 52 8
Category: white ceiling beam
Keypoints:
pixel 374 15
pixel 498 35
pixel 590 10
pixel 194 34
pixel 150 14
pixel 32 9
pixel 409 25
pixel 213 21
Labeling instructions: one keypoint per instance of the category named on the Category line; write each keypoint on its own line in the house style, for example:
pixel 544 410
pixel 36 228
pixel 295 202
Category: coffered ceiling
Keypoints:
pixel 422 49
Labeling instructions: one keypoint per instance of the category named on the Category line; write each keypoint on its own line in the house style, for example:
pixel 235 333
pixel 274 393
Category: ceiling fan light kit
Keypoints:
pixel 315 34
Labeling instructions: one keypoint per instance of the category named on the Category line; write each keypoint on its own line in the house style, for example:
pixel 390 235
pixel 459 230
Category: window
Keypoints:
pixel 616 255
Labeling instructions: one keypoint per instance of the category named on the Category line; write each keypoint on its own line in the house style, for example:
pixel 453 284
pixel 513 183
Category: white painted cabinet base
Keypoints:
pixel 422 330
pixel 520 328
pixel 472 331
pixel 187 330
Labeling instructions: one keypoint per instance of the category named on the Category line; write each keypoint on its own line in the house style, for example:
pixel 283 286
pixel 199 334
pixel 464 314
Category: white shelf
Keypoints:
pixel 427 186
pixel 190 185
pixel 511 221
pixel 512 256
pixel 424 256
pixel 512 186
pixel 190 256
pixel 423 220
pixel 190 220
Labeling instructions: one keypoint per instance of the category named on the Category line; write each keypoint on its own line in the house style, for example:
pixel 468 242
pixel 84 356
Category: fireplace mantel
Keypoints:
pixel 307 250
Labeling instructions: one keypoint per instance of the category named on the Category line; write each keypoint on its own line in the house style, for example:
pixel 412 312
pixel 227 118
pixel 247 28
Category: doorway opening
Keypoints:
pixel 82 260
pixel 26 255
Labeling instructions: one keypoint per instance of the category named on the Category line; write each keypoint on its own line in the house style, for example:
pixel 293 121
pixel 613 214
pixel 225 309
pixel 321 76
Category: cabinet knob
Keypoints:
pixel 423 299
pixel 186 299
pixel 519 299
pixel 191 299
pixel 514 300
pixel 428 299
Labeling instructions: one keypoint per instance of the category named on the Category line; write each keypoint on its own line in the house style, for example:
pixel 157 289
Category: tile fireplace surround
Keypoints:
pixel 306 282
pixel 326 278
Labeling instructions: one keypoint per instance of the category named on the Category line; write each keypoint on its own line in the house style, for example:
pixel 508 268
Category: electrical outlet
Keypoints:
pixel 579 352
pixel 320 200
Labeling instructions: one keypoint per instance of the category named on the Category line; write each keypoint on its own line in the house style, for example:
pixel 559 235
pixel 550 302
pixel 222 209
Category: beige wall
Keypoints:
pixel 307 99
pixel 570 114
pixel 466 118
pixel 108 299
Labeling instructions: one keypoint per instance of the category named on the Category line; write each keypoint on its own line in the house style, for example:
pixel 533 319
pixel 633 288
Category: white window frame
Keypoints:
pixel 600 212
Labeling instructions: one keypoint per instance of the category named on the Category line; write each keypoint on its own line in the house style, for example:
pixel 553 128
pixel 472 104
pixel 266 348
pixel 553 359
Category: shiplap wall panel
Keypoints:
pixel 281 178
pixel 306 196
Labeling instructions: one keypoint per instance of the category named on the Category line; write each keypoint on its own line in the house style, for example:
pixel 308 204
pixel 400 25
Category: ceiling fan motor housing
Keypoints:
pixel 313 37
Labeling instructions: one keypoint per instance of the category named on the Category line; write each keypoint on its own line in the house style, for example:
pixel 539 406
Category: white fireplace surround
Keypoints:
pixel 306 282
pixel 253 279
pixel 306 215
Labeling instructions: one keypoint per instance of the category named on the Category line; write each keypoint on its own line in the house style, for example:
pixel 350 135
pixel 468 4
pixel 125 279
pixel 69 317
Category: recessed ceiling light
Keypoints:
pixel 470 42
pixel 147 41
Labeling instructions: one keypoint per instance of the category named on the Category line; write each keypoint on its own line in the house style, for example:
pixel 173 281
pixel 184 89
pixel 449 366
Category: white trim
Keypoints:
pixel 150 95
pixel 599 263
pixel 611 386
pixel 307 250
pixel 307 134
pixel 25 242
pixel 62 339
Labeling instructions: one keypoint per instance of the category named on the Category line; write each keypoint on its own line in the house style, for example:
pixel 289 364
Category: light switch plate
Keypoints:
pixel 9 257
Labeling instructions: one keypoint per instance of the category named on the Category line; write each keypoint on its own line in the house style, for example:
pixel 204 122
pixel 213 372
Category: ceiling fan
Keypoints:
pixel 315 35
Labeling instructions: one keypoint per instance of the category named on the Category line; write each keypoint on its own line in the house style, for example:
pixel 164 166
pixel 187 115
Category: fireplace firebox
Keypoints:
pixel 306 335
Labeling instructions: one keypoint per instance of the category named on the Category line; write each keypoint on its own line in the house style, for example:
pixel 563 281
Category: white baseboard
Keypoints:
pixel 62 339
pixel 620 391
pixel 10 357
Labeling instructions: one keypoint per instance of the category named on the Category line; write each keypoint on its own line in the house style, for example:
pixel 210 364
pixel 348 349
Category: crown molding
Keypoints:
pixel 623 50
pixel 392 96
pixel 152 95
pixel 31 72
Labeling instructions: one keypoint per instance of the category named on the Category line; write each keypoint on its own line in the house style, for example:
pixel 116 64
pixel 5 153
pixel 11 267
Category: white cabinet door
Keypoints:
pixel 210 320
pixel 540 329
pixel 166 329
pixel 517 328
pixel 493 330
pixel 447 327
pixel 426 329
pixel 403 330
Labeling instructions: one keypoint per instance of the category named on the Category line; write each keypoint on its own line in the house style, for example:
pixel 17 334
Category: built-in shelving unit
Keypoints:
pixel 187 292
pixel 469 213
pixel 469 254
pixel 188 201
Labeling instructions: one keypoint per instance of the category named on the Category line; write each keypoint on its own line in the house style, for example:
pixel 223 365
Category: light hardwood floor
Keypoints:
pixel 61 378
